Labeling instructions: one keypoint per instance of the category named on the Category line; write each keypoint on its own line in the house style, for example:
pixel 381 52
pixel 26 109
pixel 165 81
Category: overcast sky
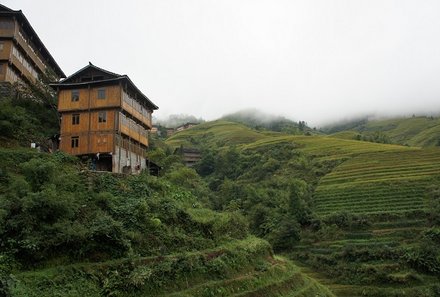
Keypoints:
pixel 312 60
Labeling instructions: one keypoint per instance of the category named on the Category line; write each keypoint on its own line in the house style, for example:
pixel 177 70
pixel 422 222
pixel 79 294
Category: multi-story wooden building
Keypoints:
pixel 23 56
pixel 106 118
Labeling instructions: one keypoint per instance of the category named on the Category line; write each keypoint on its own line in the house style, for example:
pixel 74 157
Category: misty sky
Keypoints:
pixel 312 60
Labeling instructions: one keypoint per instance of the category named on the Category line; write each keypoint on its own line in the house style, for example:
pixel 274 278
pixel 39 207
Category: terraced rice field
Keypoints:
pixel 376 249
pixel 333 148
pixel 281 279
pixel 328 147
pixel 379 182
pixel 389 189
pixel 259 274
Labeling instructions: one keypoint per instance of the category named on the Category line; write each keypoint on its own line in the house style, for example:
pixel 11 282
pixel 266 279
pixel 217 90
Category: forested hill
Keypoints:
pixel 421 131
pixel 361 217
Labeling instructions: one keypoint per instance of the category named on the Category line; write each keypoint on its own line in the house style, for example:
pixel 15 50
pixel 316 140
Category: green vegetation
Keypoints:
pixel 215 134
pixel 29 115
pixel 350 217
pixel 69 232
pixel 363 214
pixel 415 131
pixel 379 181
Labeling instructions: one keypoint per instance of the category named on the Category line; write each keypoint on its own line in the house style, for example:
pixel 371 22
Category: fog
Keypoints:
pixel 312 60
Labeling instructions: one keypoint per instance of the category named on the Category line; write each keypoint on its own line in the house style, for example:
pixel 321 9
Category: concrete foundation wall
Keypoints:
pixel 127 162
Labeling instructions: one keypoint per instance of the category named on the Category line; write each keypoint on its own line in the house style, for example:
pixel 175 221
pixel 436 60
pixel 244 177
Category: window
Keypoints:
pixel 102 117
pixel 6 25
pixel 101 93
pixel 75 119
pixel 75 95
pixel 74 141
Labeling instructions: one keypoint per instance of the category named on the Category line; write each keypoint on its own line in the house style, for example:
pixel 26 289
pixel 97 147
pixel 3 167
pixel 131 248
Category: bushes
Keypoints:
pixel 147 276
pixel 425 258
pixel 345 220
pixel 432 234
pixel 271 185
pixel 286 235
pixel 49 210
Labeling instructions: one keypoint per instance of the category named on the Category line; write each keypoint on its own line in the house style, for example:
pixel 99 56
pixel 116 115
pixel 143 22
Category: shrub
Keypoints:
pixel 38 172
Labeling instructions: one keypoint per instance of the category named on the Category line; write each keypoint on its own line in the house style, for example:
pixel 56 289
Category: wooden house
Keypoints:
pixel 105 118
pixel 190 156
pixel 170 131
pixel 154 129
pixel 186 126
pixel 23 56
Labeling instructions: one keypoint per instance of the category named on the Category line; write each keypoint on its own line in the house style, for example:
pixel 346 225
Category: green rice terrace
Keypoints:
pixel 414 131
pixel 239 268
pixel 374 208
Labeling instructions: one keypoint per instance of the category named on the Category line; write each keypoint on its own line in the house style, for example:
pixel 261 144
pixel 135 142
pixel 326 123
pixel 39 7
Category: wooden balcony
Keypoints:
pixel 144 117
pixel 30 52
pixel 133 130
pixel 21 68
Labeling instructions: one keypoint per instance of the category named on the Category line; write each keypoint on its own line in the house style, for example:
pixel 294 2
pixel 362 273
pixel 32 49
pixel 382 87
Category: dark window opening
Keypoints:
pixel 101 93
pixel 75 119
pixel 75 95
pixel 102 117
pixel 74 141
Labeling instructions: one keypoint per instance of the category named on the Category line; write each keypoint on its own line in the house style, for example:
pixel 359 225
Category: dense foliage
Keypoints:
pixel 28 115
pixel 51 212
pixel 272 186
pixel 362 214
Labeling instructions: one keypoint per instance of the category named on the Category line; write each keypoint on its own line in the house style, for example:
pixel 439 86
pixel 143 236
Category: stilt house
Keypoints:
pixel 105 118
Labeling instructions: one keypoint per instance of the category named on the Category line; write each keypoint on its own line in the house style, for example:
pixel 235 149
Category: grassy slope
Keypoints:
pixel 231 267
pixel 217 133
pixel 386 183
pixel 239 268
pixel 223 133
pixel 416 131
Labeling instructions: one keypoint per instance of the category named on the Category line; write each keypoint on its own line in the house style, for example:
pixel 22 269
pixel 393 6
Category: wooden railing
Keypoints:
pixel 133 130
pixel 30 51
pixel 136 110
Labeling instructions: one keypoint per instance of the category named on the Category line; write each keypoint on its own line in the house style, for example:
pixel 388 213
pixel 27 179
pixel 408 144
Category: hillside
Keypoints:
pixel 69 231
pixel 415 131
pixel 360 217
pixel 215 134
pixel 66 231
pixel 259 120
pixel 265 213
